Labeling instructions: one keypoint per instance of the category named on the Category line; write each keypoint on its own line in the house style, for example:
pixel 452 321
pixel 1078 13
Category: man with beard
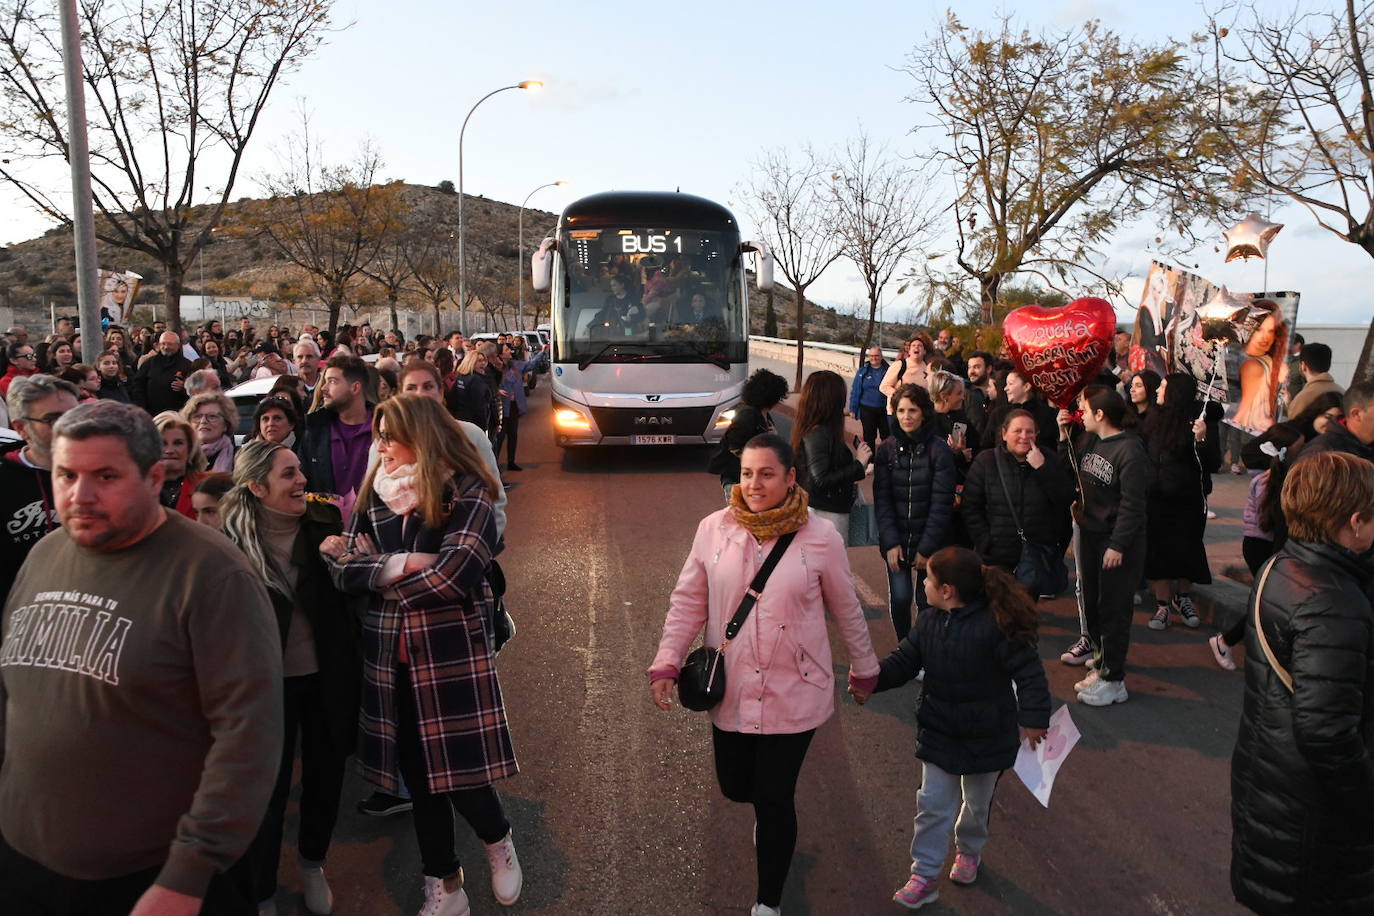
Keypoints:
pixel 166 688
pixel 160 383
pixel 338 435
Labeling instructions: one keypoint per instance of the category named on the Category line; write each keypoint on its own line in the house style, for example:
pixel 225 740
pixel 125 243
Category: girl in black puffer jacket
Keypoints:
pixel 980 640
pixel 913 499
pixel 1302 775
pixel 826 469
pixel 1041 490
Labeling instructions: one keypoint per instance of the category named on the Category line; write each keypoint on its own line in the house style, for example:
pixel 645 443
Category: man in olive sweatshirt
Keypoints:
pixel 140 693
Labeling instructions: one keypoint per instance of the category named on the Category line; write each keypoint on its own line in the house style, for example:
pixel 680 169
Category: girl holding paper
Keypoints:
pixel 979 638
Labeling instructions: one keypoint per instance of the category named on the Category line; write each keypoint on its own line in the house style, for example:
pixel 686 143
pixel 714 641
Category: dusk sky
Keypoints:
pixel 664 96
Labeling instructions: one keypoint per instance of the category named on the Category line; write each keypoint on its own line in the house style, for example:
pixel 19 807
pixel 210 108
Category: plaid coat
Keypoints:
pixel 444 615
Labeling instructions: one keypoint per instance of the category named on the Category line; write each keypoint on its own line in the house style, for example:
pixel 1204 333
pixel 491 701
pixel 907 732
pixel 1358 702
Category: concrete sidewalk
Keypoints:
pixel 1218 603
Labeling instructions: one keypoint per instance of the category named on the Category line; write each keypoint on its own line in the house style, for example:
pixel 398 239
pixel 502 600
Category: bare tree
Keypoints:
pixel 390 267
pixel 1313 141
pixel 330 221
pixel 881 215
pixel 431 255
pixel 1056 140
pixel 786 201
pixel 174 91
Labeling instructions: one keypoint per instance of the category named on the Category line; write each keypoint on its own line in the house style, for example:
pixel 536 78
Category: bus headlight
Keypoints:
pixel 725 419
pixel 567 418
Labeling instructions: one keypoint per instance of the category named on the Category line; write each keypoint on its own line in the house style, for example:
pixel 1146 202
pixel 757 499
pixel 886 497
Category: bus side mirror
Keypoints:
pixel 763 264
pixel 541 265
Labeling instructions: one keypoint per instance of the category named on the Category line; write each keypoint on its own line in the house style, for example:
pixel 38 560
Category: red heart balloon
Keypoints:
pixel 1060 349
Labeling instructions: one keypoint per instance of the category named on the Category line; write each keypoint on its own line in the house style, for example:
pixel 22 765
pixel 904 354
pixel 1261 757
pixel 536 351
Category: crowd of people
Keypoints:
pixel 336 595
pixel 980 491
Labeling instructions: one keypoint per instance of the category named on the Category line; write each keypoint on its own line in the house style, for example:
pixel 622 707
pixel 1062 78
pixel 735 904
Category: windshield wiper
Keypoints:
pixel 691 348
pixel 586 361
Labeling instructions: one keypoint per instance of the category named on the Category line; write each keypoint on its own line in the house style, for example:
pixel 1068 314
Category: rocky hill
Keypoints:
pixel 241 263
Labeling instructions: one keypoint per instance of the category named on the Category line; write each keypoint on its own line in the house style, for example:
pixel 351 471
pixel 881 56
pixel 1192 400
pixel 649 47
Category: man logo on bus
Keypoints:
pixel 653 421
pixel 653 398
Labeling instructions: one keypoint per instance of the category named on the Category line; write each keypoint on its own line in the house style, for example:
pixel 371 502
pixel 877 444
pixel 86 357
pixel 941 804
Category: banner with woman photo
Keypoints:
pixel 118 293
pixel 1234 344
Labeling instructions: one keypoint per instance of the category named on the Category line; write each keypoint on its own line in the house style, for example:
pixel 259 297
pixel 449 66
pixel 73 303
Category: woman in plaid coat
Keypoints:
pixel 419 543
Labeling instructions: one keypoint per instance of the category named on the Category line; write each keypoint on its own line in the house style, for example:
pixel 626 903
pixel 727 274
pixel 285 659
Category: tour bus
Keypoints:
pixel 650 315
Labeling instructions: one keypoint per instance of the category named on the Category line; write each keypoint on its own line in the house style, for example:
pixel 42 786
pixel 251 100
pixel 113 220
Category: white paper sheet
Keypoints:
pixel 1037 768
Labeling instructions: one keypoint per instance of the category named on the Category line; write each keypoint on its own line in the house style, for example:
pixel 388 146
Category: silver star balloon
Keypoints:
pixel 1221 316
pixel 1250 237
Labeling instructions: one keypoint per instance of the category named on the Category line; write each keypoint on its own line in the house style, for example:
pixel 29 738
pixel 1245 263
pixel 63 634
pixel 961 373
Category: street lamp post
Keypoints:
pixel 520 247
pixel 462 263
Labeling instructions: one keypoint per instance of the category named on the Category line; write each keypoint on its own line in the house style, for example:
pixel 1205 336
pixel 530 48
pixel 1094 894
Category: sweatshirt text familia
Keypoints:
pixel 140 706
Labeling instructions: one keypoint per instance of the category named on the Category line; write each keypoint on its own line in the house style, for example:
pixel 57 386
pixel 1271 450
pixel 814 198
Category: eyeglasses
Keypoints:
pixel 384 438
pixel 29 355
pixel 205 419
pixel 47 419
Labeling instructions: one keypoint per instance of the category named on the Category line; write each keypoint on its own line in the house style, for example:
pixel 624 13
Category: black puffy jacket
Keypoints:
pixel 913 491
pixel 967 717
pixel 1302 775
pixel 1042 497
pixel 827 471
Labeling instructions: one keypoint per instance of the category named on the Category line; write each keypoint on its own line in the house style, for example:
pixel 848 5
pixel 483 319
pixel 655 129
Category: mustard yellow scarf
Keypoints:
pixel 771 523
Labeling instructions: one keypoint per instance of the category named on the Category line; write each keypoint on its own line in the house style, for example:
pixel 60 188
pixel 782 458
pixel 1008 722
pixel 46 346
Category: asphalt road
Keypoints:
pixel 616 809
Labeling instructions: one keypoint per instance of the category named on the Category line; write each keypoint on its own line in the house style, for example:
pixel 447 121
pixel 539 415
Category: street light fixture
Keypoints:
pixel 520 247
pixel 462 263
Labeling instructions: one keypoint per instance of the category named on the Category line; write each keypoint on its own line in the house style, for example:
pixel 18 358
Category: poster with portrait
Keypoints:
pixel 118 293
pixel 1186 323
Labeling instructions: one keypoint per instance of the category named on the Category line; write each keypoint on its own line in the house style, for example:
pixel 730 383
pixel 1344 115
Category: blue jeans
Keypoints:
pixel 900 593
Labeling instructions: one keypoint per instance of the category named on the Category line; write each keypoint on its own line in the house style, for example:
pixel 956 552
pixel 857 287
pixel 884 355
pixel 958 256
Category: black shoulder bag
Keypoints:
pixel 1039 569
pixel 701 682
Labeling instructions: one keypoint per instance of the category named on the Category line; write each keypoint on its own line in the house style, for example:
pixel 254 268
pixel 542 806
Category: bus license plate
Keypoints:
pixel 653 440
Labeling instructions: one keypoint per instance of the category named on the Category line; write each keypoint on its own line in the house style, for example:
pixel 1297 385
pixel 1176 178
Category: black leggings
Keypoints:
pixel 322 778
pixel 874 423
pixel 510 431
pixel 433 814
pixel 1256 551
pixel 762 770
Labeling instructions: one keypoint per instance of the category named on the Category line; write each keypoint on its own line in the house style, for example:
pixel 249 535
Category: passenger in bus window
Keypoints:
pixel 619 313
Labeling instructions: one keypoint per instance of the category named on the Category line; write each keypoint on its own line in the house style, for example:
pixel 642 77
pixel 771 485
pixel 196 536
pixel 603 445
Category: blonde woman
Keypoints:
pixel 911 368
pixel 268 516
pixel 213 418
pixel 419 543
pixel 183 463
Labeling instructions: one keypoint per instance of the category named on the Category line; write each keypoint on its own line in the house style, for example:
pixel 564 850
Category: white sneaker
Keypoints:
pixel 1092 678
pixel 506 877
pixel 439 902
pixel 319 899
pixel 1103 693
pixel 762 910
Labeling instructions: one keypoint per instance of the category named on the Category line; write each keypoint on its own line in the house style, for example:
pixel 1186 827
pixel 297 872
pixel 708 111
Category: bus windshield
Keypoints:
pixel 651 295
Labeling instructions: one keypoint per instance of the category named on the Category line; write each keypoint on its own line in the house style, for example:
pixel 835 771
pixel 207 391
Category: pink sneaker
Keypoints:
pixel 965 870
pixel 917 892
pixel 1222 652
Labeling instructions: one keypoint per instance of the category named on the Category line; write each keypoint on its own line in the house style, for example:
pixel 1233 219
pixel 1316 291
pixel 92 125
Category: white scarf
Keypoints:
pixel 397 489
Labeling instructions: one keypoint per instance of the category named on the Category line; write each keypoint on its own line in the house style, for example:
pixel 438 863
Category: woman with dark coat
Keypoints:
pixel 1302 775
pixel 913 500
pixel 1176 510
pixel 761 393
pixel 1015 492
pixel 268 515
pixel 470 397
pixel 420 541
pixel 826 469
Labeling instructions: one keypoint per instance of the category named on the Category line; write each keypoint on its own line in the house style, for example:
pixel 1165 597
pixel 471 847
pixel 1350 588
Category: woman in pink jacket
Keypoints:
pixel 779 685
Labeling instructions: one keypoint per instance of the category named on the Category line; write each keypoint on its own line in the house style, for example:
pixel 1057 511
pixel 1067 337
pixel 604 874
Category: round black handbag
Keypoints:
pixel 701 682
pixel 701 679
